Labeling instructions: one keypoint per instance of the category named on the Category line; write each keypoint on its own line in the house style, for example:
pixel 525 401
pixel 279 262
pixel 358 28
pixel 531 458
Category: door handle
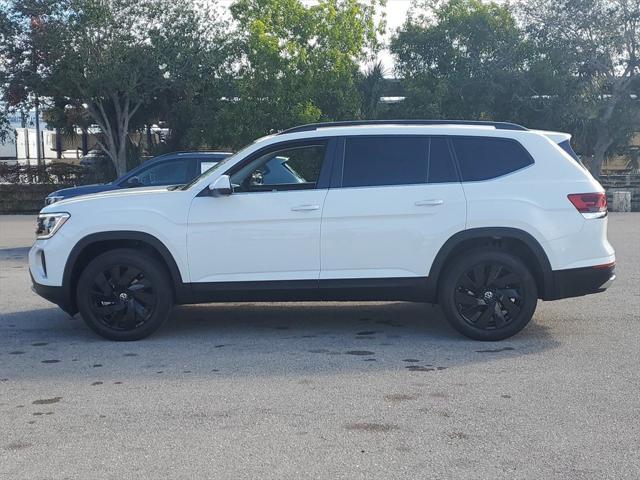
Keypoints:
pixel 305 208
pixel 429 203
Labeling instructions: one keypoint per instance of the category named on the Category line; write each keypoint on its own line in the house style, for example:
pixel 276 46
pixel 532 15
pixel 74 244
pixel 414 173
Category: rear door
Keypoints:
pixel 397 200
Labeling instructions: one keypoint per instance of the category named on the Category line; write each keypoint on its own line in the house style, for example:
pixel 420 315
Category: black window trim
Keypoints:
pixel 325 170
pixel 457 162
pixel 338 173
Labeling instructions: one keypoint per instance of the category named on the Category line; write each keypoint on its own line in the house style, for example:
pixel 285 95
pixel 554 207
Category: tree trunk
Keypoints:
pixel 115 130
pixel 603 142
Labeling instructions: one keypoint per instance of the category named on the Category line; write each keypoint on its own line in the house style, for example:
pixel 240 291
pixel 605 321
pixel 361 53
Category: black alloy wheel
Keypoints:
pixel 124 294
pixel 488 294
pixel 122 298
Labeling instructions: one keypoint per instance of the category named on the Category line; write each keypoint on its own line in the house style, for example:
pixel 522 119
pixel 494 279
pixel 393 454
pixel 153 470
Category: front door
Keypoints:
pixel 268 229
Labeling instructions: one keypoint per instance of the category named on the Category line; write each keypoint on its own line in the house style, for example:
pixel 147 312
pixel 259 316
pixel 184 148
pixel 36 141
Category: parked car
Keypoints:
pixel 482 218
pixel 169 169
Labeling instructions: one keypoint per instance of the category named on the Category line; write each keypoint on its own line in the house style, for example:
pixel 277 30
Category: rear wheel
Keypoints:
pixel 488 294
pixel 124 295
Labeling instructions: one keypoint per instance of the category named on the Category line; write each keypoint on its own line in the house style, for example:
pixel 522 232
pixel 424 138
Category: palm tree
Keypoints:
pixel 371 88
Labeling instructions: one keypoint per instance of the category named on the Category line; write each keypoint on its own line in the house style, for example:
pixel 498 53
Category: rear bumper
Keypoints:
pixel 576 282
pixel 57 295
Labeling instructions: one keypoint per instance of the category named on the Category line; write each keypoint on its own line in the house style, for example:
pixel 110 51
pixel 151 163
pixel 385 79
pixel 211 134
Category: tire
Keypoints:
pixel 124 295
pixel 488 294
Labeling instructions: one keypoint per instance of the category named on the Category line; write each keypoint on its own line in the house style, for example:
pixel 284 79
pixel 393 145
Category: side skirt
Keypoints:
pixel 361 289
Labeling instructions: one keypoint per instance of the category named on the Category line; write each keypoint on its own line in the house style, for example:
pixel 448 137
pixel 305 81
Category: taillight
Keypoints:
pixel 590 205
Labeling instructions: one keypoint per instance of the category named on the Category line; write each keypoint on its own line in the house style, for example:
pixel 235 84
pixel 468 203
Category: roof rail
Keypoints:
pixel 358 123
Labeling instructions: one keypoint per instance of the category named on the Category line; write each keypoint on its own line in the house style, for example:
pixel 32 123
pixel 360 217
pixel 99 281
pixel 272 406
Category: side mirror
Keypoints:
pixel 221 186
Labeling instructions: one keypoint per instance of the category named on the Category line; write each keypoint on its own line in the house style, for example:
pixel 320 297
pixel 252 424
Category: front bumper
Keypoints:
pixel 58 295
pixel 577 282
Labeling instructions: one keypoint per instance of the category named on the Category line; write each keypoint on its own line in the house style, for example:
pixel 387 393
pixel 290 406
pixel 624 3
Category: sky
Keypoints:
pixel 396 11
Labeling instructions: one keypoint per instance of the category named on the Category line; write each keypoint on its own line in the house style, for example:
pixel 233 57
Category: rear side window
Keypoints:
pixel 483 158
pixel 375 161
pixel 441 167
pixel 396 160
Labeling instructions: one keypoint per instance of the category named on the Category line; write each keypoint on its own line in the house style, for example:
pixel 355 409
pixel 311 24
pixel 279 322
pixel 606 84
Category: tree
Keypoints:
pixel 460 59
pixel 297 63
pixel 593 47
pixel 13 64
pixel 372 83
pixel 117 58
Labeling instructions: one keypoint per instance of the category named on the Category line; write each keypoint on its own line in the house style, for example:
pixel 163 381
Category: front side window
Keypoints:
pixel 295 167
pixel 484 158
pixel 172 172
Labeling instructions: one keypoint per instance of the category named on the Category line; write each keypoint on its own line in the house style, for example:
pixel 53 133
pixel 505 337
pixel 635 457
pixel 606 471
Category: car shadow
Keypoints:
pixel 257 339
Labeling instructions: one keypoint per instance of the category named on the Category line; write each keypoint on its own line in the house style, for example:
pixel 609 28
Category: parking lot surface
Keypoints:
pixel 323 391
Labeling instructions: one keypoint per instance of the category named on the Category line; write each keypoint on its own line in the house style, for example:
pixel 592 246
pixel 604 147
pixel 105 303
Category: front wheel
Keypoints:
pixel 488 294
pixel 124 295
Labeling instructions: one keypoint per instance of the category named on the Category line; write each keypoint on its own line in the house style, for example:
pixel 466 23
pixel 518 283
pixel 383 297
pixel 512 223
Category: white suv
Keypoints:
pixel 482 218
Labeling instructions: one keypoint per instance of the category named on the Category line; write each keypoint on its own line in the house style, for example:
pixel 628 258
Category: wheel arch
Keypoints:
pixel 95 244
pixel 513 240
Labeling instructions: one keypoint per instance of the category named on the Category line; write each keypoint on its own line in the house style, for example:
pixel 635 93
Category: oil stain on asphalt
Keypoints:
pixel 496 350
pixel 400 397
pixel 371 427
pixel 47 401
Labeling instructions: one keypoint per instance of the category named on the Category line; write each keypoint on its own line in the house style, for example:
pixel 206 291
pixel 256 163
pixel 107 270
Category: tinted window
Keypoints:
pixel 441 167
pixel 483 158
pixel 372 161
pixel 168 173
pixel 566 146
pixel 291 168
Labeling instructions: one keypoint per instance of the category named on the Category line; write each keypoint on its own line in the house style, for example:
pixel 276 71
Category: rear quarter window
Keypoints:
pixel 484 158
pixel 566 146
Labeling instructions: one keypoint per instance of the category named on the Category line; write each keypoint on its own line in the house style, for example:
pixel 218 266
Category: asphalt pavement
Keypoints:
pixel 321 391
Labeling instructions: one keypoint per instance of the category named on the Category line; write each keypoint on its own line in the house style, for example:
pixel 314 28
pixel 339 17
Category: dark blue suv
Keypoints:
pixel 169 169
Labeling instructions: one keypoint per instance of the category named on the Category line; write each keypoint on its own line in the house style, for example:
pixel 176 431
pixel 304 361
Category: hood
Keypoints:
pixel 83 190
pixel 119 195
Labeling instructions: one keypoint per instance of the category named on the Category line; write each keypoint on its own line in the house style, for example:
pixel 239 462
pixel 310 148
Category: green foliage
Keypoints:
pixel 296 63
pixel 569 65
pixel 118 59
pixel 371 86
pixel 587 61
pixel 460 59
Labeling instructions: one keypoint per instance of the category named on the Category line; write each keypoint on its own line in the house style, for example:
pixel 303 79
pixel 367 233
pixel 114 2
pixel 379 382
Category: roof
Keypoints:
pixel 404 122
pixel 193 153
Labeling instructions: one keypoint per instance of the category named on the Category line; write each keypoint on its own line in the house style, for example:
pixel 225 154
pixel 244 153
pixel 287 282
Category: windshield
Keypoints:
pixel 221 163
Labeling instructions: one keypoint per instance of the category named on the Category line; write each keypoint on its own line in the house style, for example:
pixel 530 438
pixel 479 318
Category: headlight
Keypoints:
pixel 50 223
pixel 52 199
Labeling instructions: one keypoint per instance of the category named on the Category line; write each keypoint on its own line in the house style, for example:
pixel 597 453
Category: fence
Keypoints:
pixel 24 187
pixel 629 182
